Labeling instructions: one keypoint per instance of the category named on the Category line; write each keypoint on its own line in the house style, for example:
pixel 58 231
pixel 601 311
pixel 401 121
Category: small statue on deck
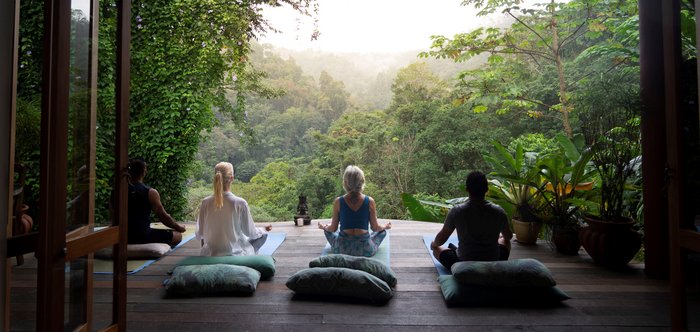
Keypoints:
pixel 302 211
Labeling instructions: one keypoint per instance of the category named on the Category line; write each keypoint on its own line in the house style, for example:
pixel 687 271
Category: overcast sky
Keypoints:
pixel 372 25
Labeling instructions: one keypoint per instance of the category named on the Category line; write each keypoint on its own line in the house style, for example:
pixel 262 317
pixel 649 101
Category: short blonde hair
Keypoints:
pixel 223 175
pixel 353 179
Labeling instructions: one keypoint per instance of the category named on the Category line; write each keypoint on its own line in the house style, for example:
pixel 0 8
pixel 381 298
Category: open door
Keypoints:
pixel 60 246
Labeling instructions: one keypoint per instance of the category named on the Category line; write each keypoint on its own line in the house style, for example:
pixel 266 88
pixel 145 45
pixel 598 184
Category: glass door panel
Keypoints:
pixel 80 160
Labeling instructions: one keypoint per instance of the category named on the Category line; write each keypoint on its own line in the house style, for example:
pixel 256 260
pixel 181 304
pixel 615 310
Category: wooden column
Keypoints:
pixel 670 11
pixel 54 149
pixel 121 161
pixel 9 19
pixel 653 139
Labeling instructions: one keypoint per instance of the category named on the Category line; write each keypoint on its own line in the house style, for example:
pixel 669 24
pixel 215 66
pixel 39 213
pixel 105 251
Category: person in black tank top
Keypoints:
pixel 142 201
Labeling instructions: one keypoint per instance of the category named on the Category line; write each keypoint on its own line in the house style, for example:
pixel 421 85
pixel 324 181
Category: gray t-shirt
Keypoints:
pixel 478 224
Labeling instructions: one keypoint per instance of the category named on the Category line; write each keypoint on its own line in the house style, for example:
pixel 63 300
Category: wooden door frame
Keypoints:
pixel 121 161
pixel 9 30
pixel 53 166
pixel 53 249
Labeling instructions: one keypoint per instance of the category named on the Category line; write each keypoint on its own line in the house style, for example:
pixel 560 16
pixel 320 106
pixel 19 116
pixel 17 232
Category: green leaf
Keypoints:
pixel 416 210
pixel 480 109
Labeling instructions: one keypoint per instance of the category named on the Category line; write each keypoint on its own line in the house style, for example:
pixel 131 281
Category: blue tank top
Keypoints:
pixel 354 219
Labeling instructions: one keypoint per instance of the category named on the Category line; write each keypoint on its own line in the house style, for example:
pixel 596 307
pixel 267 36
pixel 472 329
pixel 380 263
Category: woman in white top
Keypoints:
pixel 225 226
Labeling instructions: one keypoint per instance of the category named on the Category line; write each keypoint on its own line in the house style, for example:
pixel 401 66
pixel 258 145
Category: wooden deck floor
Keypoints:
pixel 601 299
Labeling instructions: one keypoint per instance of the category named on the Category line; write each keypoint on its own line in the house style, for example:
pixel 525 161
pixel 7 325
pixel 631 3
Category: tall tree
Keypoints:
pixel 543 35
pixel 334 99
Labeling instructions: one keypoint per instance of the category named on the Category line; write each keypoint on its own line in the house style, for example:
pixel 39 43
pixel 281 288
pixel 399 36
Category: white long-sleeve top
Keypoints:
pixel 227 230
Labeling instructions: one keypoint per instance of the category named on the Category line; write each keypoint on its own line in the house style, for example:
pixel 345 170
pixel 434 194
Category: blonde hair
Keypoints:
pixel 353 179
pixel 222 177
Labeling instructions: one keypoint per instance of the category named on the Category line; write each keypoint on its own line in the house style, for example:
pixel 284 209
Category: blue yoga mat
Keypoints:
pixel 382 255
pixel 274 240
pixel 429 238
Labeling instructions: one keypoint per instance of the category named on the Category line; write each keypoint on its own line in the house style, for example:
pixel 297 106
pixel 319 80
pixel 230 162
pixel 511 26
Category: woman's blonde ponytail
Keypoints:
pixel 222 179
pixel 218 190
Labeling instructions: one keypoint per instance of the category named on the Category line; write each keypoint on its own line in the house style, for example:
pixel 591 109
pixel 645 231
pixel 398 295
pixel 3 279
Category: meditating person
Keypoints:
pixel 482 228
pixel 225 226
pixel 354 213
pixel 142 201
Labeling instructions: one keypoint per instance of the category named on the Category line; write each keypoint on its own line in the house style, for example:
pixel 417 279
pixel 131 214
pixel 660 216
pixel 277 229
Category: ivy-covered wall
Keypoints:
pixel 189 58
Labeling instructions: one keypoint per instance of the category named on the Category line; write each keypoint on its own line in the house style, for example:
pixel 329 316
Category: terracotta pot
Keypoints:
pixel 566 240
pixel 609 243
pixel 526 232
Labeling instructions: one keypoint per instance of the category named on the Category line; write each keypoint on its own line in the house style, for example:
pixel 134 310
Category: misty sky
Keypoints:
pixel 372 25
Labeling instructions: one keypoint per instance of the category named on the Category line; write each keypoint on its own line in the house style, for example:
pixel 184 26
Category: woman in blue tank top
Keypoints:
pixel 354 214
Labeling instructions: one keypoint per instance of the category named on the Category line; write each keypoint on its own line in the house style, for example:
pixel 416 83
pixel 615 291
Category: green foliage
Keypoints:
pixel 562 173
pixel 534 143
pixel 420 210
pixel 611 116
pixel 183 68
pixel 530 62
pixel 195 194
pixel 515 182
pixel 432 134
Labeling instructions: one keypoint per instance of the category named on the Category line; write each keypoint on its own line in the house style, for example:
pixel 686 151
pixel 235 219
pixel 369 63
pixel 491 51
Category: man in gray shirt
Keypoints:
pixel 482 228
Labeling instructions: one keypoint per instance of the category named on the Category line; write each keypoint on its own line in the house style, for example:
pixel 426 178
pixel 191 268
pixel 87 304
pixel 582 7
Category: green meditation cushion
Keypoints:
pixel 369 265
pixel 458 294
pixel 262 263
pixel 525 272
pixel 338 281
pixel 214 279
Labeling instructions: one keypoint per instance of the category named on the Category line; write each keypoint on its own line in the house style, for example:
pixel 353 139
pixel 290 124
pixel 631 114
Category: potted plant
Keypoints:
pixel 567 177
pixel 511 187
pixel 614 139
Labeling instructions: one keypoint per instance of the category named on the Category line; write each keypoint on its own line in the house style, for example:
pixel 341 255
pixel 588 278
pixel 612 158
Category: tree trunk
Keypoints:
pixel 563 94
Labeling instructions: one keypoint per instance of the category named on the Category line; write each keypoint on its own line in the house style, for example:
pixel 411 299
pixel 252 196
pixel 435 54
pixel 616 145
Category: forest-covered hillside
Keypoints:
pixel 420 142
pixel 202 91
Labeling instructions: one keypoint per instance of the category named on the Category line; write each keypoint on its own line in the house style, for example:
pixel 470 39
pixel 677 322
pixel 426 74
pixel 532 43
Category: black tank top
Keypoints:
pixel 139 209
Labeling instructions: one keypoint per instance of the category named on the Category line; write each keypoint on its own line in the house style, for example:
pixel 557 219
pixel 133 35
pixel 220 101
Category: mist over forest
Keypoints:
pixel 368 76
pixel 418 122
pixel 329 110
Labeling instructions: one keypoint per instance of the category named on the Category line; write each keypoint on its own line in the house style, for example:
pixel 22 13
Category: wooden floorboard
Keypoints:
pixel 602 300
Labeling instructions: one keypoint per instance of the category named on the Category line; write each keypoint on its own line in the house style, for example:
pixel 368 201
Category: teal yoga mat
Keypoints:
pixel 429 238
pixel 382 255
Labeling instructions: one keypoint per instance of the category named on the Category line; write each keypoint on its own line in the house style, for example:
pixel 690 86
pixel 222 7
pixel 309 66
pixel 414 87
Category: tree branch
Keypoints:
pixel 529 28
pixel 531 52
pixel 617 63
pixel 568 38
pixel 534 101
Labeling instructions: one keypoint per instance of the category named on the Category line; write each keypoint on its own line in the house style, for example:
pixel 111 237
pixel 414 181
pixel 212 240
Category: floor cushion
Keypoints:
pixel 339 281
pixel 262 263
pixel 526 272
pixel 137 251
pixel 458 294
pixel 213 279
pixel 369 265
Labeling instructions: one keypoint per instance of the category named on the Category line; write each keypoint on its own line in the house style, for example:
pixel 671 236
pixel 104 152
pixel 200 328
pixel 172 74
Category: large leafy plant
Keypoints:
pixel 610 111
pixel 567 175
pixel 514 183
pixel 432 210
